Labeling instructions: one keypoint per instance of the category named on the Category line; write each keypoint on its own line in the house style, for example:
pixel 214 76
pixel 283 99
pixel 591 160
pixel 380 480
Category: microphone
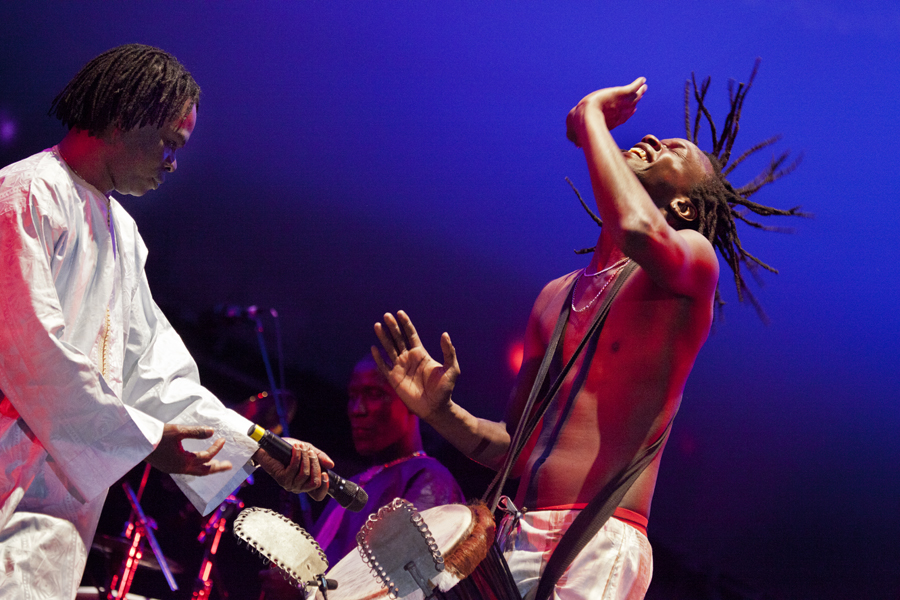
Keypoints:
pixel 348 494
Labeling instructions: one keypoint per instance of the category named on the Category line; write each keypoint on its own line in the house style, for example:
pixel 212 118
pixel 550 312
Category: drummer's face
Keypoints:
pixel 378 418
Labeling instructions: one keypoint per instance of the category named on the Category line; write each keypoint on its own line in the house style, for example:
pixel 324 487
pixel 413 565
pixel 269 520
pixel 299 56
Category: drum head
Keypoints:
pixel 448 525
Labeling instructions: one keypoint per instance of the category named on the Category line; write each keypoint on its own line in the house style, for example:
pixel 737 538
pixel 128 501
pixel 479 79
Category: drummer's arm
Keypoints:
pixel 487 442
pixel 481 440
pixel 426 386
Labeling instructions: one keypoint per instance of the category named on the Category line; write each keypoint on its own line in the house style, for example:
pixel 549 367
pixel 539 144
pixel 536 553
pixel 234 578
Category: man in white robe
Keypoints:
pixel 94 379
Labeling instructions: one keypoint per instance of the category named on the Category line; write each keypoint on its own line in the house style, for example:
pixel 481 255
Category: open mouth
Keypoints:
pixel 642 151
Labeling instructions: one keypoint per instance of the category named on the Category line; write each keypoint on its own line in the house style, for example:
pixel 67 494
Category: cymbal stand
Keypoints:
pixel 139 529
pixel 277 391
pixel 210 536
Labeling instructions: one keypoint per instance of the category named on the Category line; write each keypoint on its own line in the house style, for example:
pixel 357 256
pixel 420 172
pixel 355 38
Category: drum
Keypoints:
pixel 491 580
pixel 474 569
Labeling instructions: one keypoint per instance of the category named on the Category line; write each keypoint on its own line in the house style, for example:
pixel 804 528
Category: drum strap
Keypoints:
pixel 534 411
pixel 592 517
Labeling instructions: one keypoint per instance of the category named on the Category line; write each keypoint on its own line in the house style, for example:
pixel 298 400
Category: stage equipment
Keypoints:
pixel 138 530
pixel 446 552
pixel 284 544
pixel 209 537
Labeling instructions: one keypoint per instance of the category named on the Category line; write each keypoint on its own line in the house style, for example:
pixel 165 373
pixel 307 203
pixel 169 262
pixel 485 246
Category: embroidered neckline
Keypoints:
pixel 371 472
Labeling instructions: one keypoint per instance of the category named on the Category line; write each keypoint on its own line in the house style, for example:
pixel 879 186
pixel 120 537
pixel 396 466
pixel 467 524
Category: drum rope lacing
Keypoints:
pixel 254 524
pixel 368 555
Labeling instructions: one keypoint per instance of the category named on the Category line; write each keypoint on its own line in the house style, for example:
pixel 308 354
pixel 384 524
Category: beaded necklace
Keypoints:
pixel 619 263
pixel 622 263
pixel 371 472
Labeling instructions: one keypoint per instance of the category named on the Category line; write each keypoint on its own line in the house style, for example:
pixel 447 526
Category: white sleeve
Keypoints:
pixel 55 387
pixel 161 379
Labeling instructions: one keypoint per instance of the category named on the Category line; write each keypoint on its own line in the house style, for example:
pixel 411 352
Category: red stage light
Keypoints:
pixel 515 355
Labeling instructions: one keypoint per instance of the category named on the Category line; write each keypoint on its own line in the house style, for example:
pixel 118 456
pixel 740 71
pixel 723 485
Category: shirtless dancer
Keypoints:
pixel 627 390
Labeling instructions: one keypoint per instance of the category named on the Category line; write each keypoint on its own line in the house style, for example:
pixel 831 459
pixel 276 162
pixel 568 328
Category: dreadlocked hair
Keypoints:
pixel 718 203
pixel 128 86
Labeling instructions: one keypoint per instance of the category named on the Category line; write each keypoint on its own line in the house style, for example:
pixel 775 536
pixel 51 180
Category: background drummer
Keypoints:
pixel 386 434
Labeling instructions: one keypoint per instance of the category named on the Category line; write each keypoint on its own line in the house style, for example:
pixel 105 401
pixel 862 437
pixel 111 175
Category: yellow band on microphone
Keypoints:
pixel 256 432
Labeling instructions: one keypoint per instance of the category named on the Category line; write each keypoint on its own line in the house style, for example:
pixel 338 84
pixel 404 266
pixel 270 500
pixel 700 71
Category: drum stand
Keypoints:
pixel 139 529
pixel 210 536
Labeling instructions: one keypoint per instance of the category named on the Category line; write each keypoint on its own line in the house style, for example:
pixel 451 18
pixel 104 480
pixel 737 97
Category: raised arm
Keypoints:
pixel 681 261
pixel 426 387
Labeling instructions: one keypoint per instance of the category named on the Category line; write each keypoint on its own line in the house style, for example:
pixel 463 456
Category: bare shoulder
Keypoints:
pixel 702 251
pixel 561 283
pixel 700 270
pixel 553 290
pixel 697 241
pixel 545 311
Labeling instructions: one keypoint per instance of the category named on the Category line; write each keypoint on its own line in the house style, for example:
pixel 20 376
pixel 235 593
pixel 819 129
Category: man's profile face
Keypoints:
pixel 667 168
pixel 142 156
pixel 378 417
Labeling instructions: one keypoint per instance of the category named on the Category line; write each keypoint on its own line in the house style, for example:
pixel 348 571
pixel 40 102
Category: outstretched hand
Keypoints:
pixel 616 103
pixel 424 384
pixel 171 457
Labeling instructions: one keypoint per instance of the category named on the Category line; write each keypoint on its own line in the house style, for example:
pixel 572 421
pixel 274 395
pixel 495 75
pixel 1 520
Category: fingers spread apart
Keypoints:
pixel 397 335
pixel 386 342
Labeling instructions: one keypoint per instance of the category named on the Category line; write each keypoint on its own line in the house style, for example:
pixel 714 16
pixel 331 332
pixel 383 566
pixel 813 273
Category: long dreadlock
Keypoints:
pixel 719 205
pixel 128 86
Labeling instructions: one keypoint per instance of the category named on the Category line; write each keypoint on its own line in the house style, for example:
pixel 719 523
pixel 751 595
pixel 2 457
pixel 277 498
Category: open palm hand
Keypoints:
pixel 423 384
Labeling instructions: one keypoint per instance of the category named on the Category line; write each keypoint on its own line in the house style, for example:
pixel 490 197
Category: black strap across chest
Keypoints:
pixel 535 409
pixel 592 518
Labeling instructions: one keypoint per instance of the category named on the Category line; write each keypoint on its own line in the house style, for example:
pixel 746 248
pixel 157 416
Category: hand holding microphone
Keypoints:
pixel 348 494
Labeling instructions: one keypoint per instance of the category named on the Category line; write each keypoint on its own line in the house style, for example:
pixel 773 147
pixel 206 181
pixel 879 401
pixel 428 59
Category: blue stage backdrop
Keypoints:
pixel 353 158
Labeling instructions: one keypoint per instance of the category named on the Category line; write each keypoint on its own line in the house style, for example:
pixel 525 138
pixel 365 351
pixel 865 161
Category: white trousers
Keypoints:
pixel 41 558
pixel 616 564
